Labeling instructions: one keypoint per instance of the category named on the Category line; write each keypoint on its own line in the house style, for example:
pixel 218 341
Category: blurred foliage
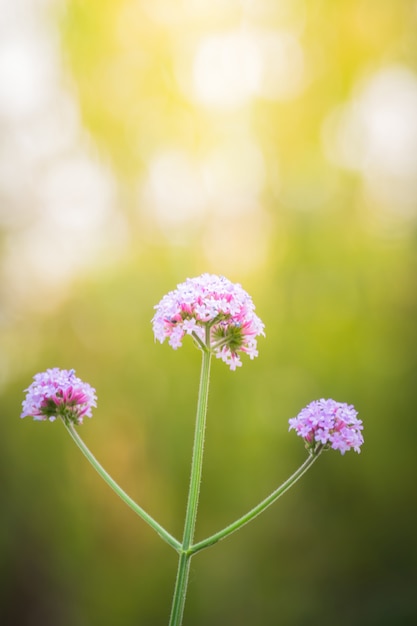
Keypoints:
pixel 335 286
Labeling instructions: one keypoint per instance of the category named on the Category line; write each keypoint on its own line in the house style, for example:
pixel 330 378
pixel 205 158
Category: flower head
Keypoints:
pixel 329 423
pixel 219 314
pixel 59 393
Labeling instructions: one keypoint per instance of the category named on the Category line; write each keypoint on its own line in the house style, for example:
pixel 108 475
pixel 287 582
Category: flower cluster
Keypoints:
pixel 219 314
pixel 59 393
pixel 330 424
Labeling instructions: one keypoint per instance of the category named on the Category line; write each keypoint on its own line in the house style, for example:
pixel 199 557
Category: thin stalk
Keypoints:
pixel 122 494
pixel 245 519
pixel 198 449
pixel 180 591
pixel 181 583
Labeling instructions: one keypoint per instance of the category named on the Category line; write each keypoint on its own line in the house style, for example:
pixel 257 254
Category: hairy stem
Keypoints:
pixel 122 494
pixel 257 510
pixel 181 584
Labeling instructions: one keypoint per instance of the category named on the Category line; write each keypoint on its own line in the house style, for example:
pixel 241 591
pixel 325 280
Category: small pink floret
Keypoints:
pixel 213 301
pixel 59 393
pixel 329 423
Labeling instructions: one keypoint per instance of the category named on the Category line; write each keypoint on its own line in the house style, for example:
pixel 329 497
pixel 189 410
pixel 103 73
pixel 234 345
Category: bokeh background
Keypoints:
pixel 274 142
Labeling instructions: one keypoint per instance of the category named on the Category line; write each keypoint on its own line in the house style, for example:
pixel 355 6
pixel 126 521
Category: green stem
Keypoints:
pixel 122 494
pixel 180 591
pixel 198 449
pixel 245 519
pixel 181 583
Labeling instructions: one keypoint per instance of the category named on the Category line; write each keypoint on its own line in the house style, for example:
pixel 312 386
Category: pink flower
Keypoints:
pixel 59 393
pixel 219 314
pixel 330 424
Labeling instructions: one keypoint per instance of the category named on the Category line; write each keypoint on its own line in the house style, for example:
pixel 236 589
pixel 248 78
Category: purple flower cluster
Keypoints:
pixel 216 312
pixel 59 393
pixel 330 424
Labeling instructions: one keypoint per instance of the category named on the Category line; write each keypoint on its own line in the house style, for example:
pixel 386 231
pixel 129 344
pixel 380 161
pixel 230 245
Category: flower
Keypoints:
pixel 59 393
pixel 330 424
pixel 217 313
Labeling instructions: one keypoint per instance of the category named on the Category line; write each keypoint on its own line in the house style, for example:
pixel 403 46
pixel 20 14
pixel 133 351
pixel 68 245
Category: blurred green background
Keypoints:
pixel 274 142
